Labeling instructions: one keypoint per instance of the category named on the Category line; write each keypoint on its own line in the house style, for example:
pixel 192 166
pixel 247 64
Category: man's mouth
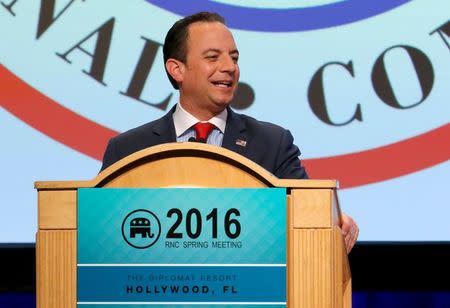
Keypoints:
pixel 222 83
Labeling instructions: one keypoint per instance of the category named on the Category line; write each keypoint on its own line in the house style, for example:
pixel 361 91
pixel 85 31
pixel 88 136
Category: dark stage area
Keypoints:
pixel 384 275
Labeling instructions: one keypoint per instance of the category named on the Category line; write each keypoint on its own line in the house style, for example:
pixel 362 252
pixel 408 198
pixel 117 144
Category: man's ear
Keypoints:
pixel 176 69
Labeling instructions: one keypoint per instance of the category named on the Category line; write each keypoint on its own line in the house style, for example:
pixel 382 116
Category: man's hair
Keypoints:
pixel 175 44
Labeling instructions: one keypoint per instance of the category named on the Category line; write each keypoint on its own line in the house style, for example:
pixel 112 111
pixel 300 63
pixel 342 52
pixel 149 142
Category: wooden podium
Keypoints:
pixel 317 264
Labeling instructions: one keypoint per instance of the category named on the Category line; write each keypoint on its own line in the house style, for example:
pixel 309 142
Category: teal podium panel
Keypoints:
pixel 181 247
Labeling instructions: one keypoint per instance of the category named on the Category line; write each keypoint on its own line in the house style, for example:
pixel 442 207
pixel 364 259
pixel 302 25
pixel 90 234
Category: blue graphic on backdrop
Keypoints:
pixel 285 20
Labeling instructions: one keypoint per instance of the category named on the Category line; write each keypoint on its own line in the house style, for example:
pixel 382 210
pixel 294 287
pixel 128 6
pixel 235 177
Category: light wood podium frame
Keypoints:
pixel 317 264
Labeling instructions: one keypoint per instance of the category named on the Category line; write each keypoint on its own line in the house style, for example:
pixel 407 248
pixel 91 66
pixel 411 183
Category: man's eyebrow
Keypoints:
pixel 234 51
pixel 211 50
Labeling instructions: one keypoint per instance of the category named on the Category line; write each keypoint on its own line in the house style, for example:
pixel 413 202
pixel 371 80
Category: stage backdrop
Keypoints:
pixel 364 86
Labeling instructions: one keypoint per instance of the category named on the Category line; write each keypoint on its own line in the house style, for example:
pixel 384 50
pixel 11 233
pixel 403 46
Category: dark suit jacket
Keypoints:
pixel 267 144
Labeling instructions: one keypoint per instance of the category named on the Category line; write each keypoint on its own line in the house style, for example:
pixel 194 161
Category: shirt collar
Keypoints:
pixel 183 120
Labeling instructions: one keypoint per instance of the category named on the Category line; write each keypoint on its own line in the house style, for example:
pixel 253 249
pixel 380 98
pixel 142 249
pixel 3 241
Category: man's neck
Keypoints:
pixel 200 114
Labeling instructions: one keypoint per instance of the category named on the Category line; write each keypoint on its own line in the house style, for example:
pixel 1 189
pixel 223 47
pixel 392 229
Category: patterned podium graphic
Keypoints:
pixel 185 247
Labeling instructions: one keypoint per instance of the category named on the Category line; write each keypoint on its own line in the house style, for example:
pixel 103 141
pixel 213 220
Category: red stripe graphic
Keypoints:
pixel 52 119
pixel 386 162
pixel 354 169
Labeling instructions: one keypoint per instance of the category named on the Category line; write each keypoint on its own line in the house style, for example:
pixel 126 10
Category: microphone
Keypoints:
pixel 201 140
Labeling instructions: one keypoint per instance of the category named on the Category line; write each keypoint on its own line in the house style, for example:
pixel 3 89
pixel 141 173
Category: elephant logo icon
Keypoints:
pixel 140 225
pixel 141 229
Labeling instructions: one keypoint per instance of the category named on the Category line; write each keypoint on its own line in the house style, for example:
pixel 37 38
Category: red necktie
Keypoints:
pixel 202 130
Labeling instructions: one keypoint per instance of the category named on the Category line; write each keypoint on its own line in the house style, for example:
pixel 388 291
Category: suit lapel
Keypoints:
pixel 165 129
pixel 235 137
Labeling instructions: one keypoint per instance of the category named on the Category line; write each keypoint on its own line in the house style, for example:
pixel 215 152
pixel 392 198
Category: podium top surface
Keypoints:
pixel 185 160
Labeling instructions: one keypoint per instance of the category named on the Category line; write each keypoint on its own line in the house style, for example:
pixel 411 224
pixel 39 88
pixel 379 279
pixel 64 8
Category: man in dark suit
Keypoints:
pixel 264 143
pixel 201 61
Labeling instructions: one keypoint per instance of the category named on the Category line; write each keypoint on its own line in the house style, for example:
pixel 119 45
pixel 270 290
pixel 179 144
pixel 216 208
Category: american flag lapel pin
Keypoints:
pixel 241 142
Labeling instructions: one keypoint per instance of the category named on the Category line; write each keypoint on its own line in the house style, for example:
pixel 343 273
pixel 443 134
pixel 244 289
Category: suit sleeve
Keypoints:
pixel 288 164
pixel 110 156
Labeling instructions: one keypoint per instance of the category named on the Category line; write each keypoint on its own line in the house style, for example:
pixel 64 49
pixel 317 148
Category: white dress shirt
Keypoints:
pixel 183 122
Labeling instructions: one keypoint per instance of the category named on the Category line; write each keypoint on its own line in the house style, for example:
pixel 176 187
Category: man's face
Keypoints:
pixel 211 72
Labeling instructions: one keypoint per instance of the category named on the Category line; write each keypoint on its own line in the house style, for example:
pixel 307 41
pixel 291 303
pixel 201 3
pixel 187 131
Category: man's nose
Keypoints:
pixel 227 64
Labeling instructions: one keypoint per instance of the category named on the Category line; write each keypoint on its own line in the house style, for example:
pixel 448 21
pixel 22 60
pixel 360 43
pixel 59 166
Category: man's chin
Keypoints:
pixel 223 103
